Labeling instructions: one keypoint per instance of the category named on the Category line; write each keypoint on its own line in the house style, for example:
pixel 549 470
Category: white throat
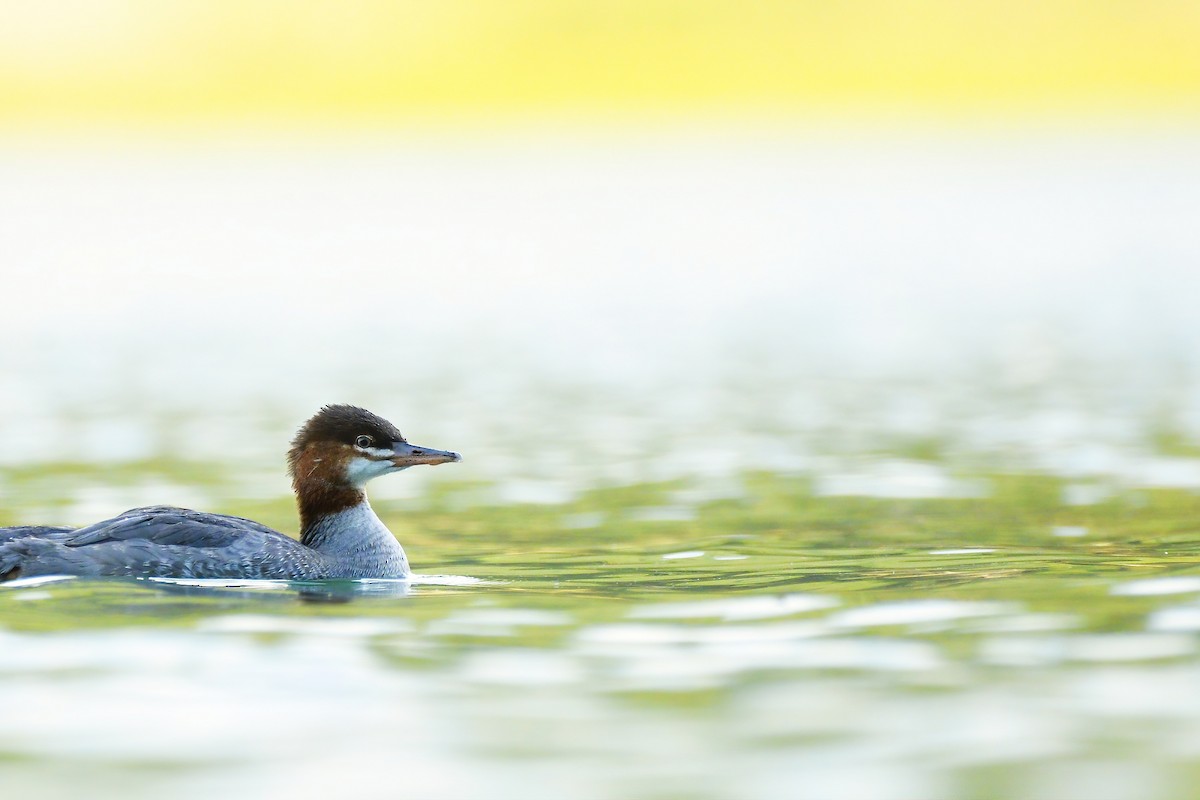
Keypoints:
pixel 360 469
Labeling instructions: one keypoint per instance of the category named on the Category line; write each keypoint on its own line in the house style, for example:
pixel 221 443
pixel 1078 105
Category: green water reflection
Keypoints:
pixel 646 641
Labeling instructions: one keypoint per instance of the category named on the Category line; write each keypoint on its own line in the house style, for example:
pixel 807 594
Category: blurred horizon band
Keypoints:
pixel 71 63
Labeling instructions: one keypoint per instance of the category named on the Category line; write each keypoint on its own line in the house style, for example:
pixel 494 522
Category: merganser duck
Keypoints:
pixel 332 457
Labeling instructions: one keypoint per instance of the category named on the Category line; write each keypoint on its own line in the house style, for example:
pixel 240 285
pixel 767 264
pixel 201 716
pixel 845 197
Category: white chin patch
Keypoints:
pixel 360 470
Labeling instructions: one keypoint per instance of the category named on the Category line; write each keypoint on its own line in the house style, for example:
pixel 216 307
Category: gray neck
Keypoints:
pixel 359 543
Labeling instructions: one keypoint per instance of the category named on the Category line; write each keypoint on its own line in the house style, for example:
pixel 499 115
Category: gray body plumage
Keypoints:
pixel 162 541
pixel 333 456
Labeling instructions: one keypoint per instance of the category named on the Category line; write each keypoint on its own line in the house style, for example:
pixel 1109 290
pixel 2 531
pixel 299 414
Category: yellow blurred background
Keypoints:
pixel 144 62
pixel 911 246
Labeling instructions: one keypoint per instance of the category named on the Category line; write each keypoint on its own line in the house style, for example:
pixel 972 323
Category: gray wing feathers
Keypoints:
pixel 21 531
pixel 161 541
pixel 167 525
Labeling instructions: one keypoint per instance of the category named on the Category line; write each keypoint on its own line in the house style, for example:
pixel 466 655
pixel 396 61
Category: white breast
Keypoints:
pixel 359 539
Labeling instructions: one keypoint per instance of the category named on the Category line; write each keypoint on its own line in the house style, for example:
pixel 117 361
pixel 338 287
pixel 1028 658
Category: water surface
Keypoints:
pixel 774 644
pixel 793 469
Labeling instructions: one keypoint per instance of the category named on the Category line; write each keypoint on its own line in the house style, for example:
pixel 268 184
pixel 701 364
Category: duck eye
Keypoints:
pixel 364 441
